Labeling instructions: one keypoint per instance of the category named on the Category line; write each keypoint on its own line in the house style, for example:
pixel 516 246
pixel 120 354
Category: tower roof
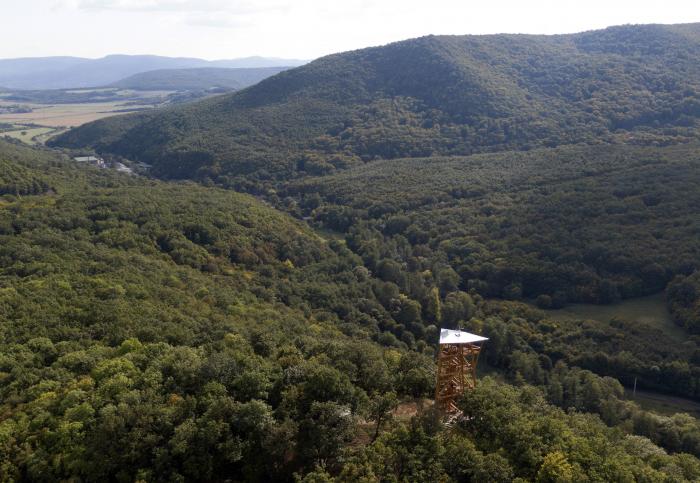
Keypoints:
pixel 448 336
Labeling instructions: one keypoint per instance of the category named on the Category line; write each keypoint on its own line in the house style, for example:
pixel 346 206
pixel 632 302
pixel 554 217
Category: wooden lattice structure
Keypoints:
pixel 456 371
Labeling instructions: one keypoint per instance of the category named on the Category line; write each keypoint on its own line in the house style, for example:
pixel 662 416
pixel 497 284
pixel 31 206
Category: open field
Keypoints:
pixel 53 112
pixel 86 90
pixel 664 404
pixel 30 135
pixel 649 310
pixel 126 93
pixel 63 115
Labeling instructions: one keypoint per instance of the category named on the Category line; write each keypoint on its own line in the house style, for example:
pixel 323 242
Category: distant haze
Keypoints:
pixel 69 72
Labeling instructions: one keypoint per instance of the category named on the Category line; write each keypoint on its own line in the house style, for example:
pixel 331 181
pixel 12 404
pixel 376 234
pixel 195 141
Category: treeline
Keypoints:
pixel 623 350
pixel 250 409
pixel 683 298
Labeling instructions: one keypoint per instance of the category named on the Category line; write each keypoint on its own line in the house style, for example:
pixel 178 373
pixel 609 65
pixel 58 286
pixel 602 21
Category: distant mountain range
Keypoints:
pixel 69 72
pixel 201 78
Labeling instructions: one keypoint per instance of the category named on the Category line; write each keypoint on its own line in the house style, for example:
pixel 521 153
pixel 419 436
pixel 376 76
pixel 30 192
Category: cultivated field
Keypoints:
pixel 51 113
pixel 63 115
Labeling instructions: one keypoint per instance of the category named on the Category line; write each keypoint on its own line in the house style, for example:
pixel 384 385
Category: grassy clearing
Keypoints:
pixel 649 310
pixel 34 135
pixel 664 404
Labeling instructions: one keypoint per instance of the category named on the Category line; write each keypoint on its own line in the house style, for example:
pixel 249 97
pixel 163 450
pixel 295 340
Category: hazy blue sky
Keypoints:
pixel 294 28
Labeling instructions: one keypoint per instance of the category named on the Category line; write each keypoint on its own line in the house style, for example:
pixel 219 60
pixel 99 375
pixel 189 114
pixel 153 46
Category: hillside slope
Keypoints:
pixel 203 78
pixel 578 223
pixel 131 297
pixel 16 179
pixel 442 95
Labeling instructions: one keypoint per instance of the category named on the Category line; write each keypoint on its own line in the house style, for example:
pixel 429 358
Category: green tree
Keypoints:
pixel 433 307
pixel 326 429
pixel 458 307
pixel 381 407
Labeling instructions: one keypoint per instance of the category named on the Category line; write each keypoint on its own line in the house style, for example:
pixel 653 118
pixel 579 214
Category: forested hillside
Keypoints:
pixel 587 224
pixel 423 97
pixel 376 133
pixel 160 331
pixel 173 330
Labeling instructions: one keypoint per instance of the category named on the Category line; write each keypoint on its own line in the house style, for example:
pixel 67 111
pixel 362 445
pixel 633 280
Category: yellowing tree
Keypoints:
pixel 555 469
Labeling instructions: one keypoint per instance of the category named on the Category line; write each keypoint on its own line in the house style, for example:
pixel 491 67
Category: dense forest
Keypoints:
pixel 155 331
pixel 615 222
pixel 586 224
pixel 17 180
pixel 269 309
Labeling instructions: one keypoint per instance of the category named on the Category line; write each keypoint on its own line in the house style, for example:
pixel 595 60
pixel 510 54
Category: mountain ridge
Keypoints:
pixel 77 72
pixel 434 95
pixel 197 78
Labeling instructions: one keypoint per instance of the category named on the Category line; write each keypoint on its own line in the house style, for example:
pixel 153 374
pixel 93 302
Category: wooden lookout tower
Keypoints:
pixel 456 371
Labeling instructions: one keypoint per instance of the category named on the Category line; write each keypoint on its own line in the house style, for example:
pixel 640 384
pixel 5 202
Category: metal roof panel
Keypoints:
pixel 449 336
